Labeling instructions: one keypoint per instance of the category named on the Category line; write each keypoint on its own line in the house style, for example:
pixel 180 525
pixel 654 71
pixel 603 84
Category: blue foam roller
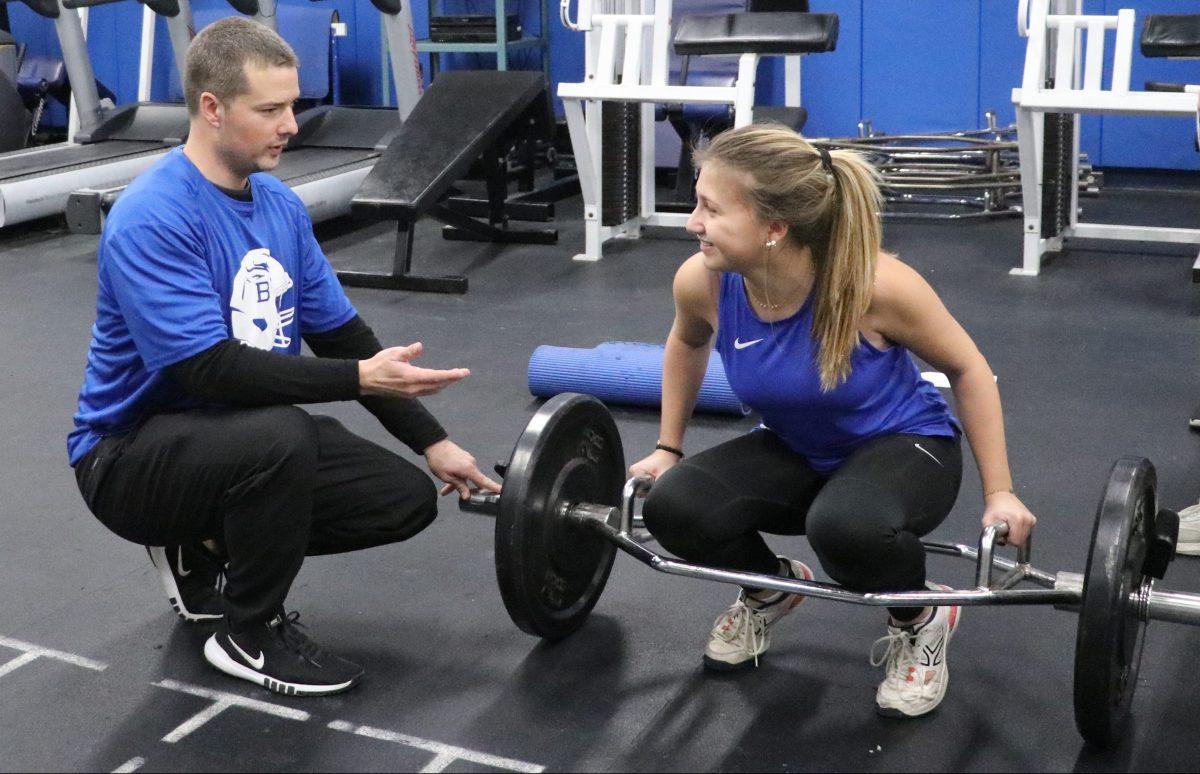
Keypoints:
pixel 623 372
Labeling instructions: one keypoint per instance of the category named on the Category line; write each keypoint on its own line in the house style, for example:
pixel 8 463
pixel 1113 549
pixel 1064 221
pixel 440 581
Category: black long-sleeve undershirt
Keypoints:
pixel 232 373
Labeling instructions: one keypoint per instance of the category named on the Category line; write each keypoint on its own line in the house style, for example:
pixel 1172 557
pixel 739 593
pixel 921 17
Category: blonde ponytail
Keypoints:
pixel 846 271
pixel 832 207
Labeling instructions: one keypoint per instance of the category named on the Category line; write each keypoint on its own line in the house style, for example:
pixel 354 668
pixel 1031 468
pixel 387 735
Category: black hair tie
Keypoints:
pixel 826 160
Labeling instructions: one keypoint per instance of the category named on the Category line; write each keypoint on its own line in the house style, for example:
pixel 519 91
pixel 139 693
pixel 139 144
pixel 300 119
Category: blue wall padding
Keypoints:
pixel 623 372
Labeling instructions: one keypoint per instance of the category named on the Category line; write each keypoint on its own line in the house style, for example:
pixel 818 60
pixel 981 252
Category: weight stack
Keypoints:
pixel 621 372
pixel 1058 179
pixel 620 162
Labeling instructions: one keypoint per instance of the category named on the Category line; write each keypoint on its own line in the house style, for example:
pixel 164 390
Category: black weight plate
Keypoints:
pixel 1108 648
pixel 552 571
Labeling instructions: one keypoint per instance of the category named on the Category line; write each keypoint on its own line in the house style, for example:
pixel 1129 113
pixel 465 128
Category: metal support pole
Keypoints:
pixel 406 67
pixel 146 55
pixel 84 94
pixel 180 29
pixel 266 15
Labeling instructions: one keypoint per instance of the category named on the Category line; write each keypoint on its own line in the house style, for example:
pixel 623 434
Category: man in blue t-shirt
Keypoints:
pixel 187 438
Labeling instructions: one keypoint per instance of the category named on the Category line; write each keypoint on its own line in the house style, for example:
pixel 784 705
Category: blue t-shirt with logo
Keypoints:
pixel 183 267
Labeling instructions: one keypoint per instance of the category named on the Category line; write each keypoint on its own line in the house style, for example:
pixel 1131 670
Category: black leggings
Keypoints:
pixel 272 484
pixel 864 521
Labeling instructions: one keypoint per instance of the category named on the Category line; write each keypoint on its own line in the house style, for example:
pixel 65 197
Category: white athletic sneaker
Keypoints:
pixel 743 632
pixel 914 660
pixel 1189 531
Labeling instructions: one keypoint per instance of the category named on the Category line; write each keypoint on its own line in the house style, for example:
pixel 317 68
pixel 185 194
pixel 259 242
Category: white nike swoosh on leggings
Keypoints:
pixel 179 564
pixel 935 459
pixel 257 663
pixel 738 344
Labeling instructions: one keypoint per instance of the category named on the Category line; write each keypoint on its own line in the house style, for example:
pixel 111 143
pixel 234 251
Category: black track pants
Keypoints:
pixel 864 521
pixel 271 485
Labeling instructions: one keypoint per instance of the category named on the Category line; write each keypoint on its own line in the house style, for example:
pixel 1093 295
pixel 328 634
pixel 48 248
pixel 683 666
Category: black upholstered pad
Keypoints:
pixel 775 32
pixel 1171 35
pixel 456 119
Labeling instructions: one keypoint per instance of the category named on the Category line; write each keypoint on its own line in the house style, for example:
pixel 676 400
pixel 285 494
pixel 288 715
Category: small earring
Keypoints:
pixel 770 243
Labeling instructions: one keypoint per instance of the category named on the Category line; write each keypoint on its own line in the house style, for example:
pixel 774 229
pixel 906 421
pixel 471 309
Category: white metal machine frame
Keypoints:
pixel 627 59
pixel 1056 30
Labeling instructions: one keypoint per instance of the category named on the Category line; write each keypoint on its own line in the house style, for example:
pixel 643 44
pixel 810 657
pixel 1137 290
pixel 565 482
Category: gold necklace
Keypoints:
pixel 771 307
pixel 767 305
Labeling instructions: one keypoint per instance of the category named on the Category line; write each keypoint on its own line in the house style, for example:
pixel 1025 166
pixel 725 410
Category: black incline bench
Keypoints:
pixel 464 125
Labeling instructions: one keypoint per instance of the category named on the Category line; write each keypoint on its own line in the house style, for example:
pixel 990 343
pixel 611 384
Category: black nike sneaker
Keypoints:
pixel 192 577
pixel 281 658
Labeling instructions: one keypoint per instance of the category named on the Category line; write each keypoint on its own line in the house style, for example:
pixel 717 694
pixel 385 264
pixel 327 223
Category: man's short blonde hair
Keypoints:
pixel 217 58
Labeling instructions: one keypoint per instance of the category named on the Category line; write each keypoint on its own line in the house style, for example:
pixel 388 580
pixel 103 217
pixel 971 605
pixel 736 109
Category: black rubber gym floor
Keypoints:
pixel 1096 358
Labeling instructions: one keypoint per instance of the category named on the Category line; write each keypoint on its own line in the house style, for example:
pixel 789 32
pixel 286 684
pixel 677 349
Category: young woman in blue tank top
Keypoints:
pixel 815 325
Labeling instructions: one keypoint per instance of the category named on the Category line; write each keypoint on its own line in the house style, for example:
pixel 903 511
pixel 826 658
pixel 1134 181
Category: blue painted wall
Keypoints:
pixel 906 65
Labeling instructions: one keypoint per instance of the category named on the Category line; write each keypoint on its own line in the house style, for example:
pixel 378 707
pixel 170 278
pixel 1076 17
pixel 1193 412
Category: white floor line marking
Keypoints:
pixel 196 721
pixel 439 763
pixel 133 764
pixel 58 655
pixel 17 663
pixel 442 751
pixel 221 702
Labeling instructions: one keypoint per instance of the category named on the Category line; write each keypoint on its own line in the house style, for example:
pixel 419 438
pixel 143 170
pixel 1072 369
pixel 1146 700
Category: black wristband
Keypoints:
pixel 663 447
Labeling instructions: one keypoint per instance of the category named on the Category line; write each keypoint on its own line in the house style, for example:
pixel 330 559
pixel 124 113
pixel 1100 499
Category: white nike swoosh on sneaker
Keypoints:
pixel 257 663
pixel 179 564
pixel 738 344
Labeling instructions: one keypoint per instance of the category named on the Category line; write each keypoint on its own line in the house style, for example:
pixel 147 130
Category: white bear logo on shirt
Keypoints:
pixel 255 312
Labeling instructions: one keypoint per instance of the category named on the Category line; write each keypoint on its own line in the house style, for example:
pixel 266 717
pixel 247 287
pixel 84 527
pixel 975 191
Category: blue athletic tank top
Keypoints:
pixel 772 368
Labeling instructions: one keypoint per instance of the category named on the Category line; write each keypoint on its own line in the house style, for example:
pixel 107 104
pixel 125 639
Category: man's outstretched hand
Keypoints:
pixel 391 373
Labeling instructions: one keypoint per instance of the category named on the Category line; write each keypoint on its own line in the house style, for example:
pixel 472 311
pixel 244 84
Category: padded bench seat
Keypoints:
pixel 1171 35
pixel 460 115
pixel 767 32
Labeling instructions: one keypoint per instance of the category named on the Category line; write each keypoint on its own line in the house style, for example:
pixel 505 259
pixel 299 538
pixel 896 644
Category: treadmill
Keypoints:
pixel 335 146
pixel 113 144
